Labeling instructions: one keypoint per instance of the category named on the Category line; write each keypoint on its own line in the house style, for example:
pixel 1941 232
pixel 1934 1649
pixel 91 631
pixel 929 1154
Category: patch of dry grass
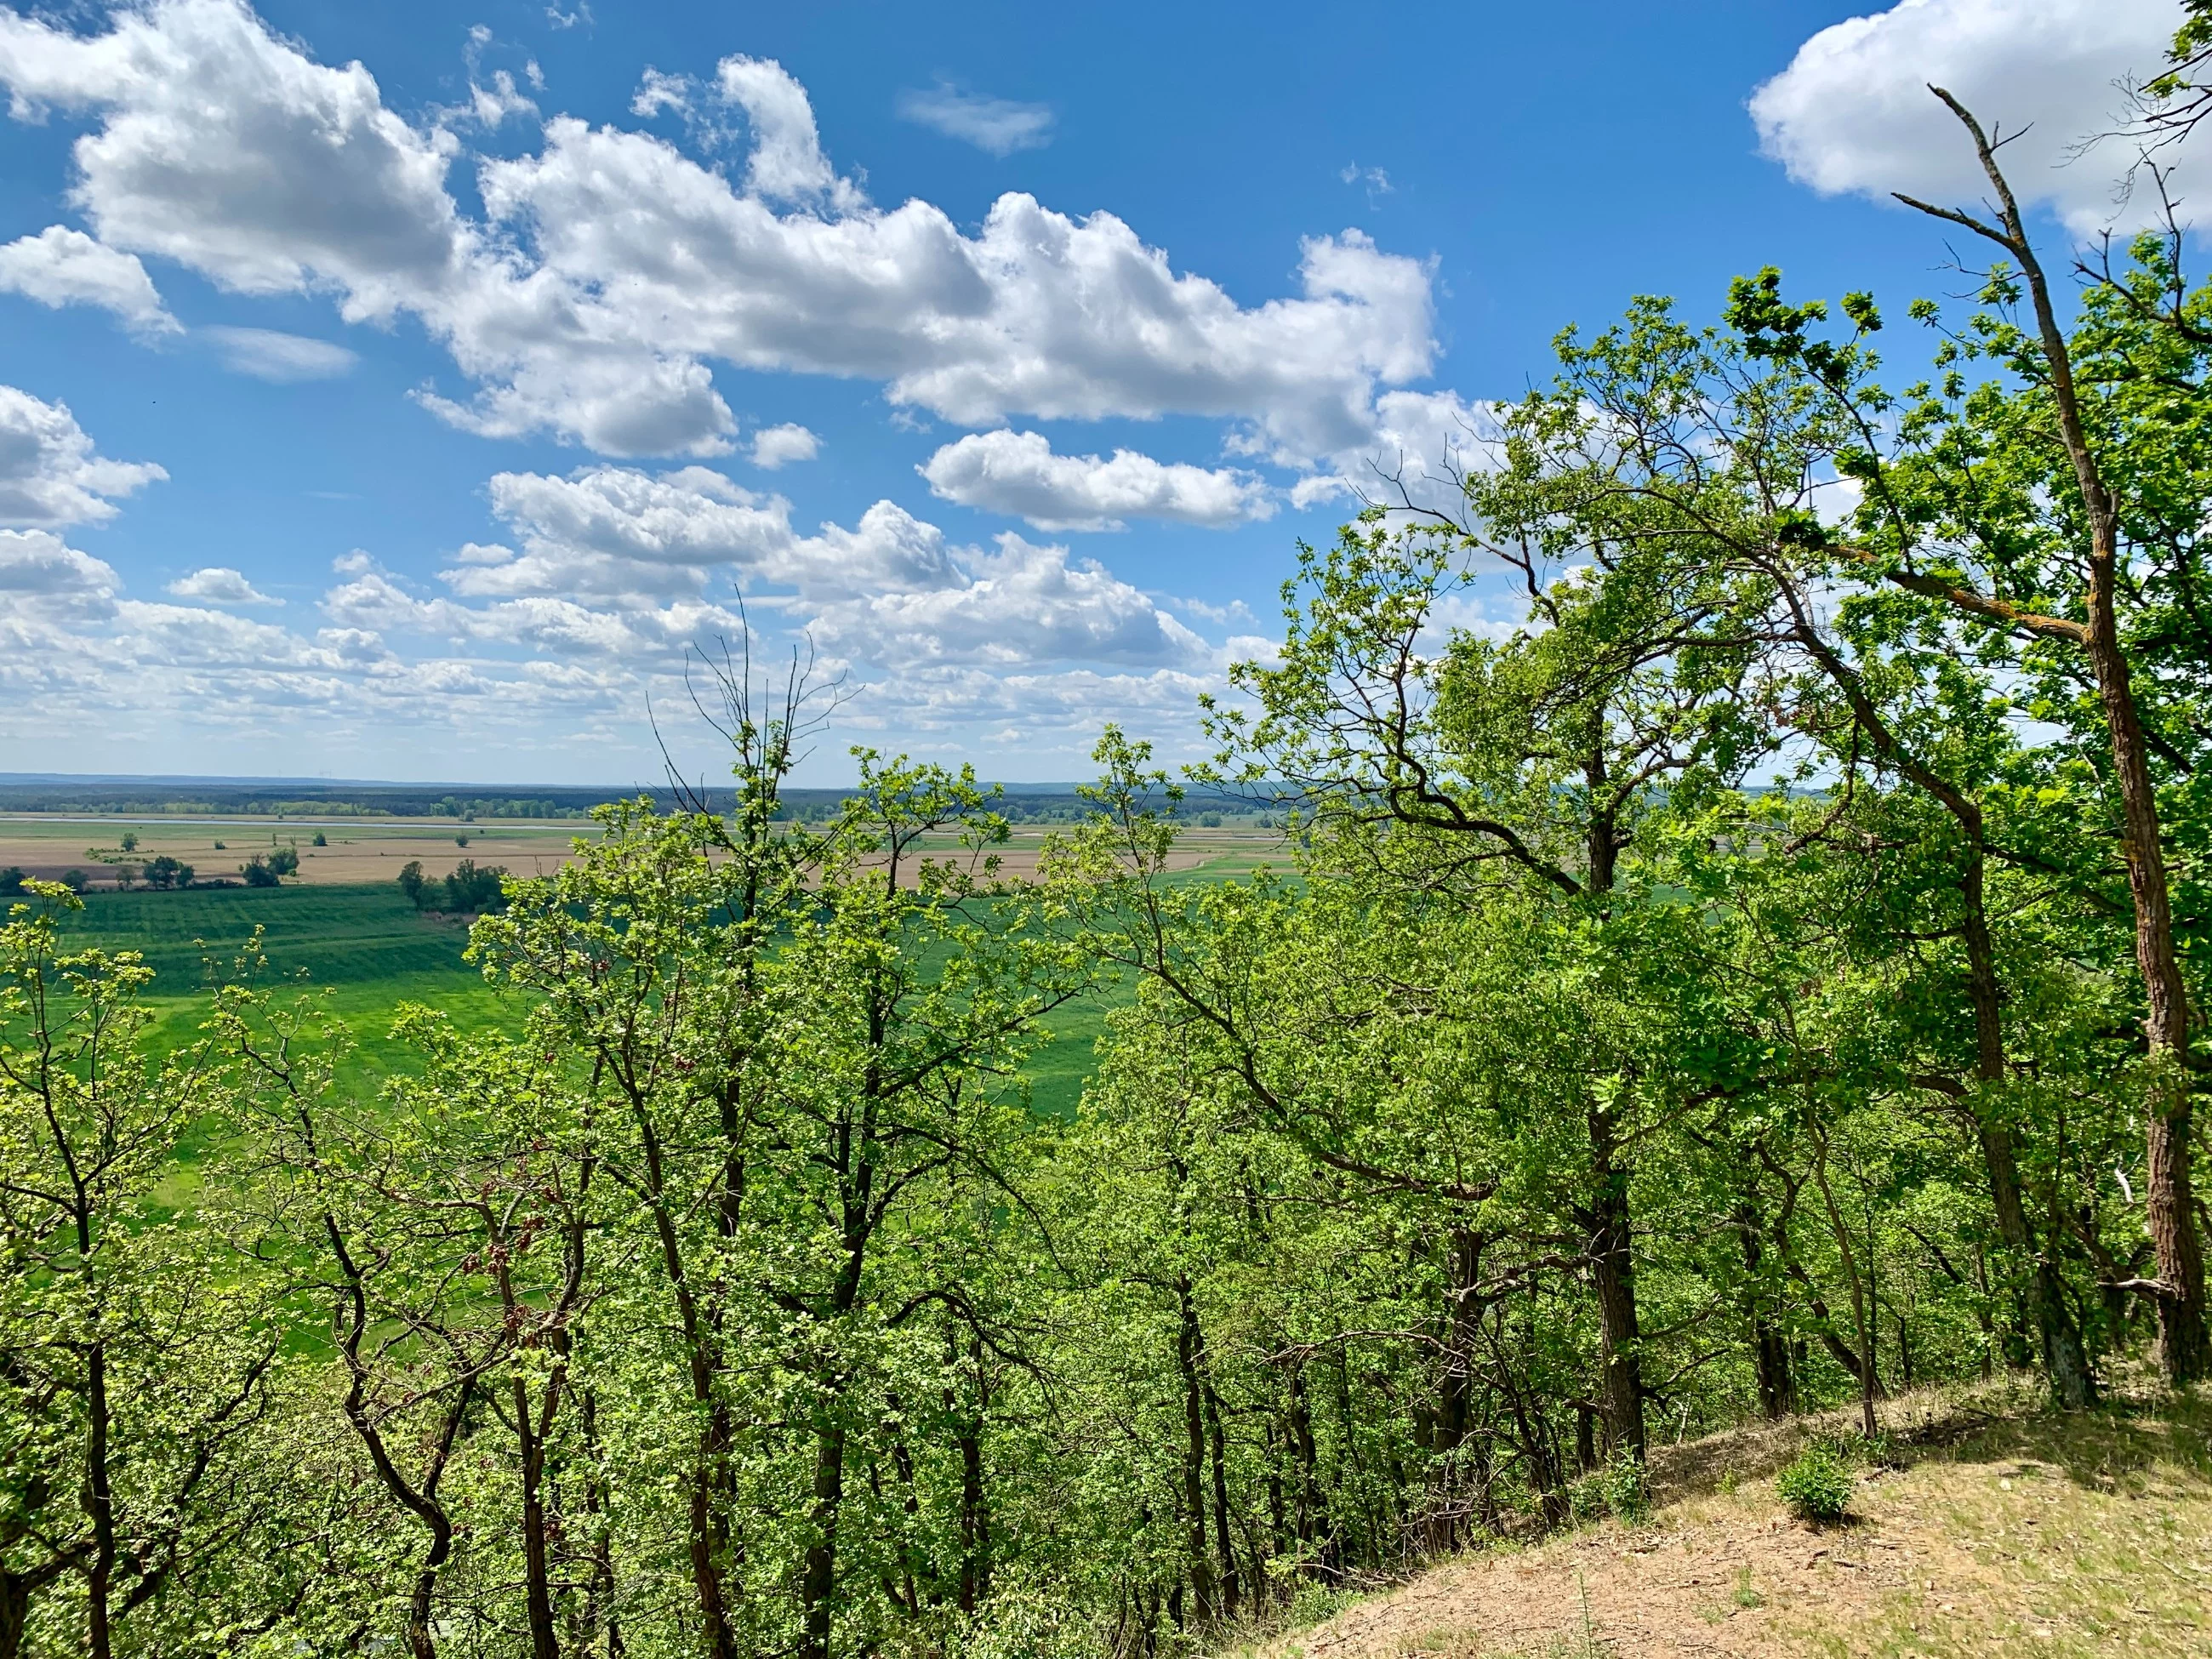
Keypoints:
pixel 2000 1530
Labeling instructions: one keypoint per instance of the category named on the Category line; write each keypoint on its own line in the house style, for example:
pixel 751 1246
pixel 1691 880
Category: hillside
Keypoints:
pixel 1995 1530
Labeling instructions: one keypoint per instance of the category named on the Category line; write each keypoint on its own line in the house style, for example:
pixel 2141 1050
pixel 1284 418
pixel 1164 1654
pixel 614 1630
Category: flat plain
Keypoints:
pixel 344 931
pixel 374 850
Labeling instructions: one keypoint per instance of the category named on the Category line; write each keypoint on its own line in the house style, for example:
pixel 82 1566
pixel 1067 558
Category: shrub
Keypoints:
pixel 11 881
pixel 1627 1488
pixel 257 873
pixel 412 883
pixel 1818 1485
pixel 1619 1487
pixel 320 839
pixel 285 860
pixel 75 880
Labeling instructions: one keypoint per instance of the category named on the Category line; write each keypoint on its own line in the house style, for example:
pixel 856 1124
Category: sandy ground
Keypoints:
pixel 374 850
pixel 1979 1549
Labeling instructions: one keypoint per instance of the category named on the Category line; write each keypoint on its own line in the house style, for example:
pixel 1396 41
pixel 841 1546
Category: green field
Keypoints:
pixel 365 946
pixel 370 950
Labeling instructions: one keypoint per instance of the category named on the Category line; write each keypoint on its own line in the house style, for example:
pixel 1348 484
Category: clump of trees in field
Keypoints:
pixel 1765 982
pixel 467 890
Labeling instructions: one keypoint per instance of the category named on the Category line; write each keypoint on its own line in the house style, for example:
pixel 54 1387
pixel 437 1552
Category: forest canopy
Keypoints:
pixel 1767 977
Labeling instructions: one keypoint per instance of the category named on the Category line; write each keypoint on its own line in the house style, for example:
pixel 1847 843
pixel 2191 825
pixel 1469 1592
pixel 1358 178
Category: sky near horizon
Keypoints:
pixel 403 390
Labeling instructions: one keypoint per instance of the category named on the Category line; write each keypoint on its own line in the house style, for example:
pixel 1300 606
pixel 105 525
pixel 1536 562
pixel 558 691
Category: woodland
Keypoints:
pixel 1768 977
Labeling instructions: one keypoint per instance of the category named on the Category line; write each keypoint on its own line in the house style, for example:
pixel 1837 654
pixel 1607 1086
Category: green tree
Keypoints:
pixel 139 1357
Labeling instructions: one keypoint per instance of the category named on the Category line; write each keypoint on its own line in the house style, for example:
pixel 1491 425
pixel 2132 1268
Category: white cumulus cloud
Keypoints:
pixel 613 531
pixel 1020 605
pixel 1017 473
pixel 1852 113
pixel 40 570
pixel 611 271
pixel 50 473
pixel 773 447
pixel 64 267
pixel 786 164
pixel 219 584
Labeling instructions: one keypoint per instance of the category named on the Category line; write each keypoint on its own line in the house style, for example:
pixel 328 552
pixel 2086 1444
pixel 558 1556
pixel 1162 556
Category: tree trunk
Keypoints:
pixel 99 1506
pixel 536 1588
pixel 1862 1321
pixel 1311 1515
pixel 974 1511
pixel 2065 1361
pixel 1612 1273
pixel 2169 1197
pixel 819 1583
pixel 1189 1346
pixel 599 1594
pixel 1769 1348
pixel 1224 1537
pixel 15 1612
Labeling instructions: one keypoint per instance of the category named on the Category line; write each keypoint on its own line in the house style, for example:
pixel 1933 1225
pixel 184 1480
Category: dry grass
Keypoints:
pixel 2003 1531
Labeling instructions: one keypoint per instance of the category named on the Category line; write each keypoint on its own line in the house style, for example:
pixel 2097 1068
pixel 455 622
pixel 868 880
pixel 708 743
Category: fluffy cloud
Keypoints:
pixel 786 164
pixel 1019 606
pixel 49 473
pixel 64 267
pixel 1852 113
pixel 774 446
pixel 612 268
pixel 998 126
pixel 40 571
pixel 1016 473
pixel 887 591
pixel 1421 444
pixel 267 355
pixel 219 584
pixel 617 530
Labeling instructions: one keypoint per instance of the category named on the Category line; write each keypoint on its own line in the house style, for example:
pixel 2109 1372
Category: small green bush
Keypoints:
pixel 1627 1488
pixel 1818 1485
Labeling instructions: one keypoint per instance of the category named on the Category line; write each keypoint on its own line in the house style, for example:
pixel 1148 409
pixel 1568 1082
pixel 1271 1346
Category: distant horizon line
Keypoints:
pixel 183 779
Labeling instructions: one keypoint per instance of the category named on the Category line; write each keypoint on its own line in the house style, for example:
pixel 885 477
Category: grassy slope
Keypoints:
pixel 2000 1530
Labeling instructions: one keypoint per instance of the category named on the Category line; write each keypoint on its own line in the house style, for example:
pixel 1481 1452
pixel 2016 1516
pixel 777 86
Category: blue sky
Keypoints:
pixel 411 419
